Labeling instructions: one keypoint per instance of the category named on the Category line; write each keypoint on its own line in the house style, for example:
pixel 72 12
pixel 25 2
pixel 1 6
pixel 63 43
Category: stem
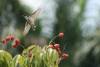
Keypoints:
pixel 22 46
pixel 53 39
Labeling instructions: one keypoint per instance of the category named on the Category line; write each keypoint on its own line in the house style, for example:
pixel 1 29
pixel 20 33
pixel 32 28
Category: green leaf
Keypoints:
pixel 19 61
pixel 5 59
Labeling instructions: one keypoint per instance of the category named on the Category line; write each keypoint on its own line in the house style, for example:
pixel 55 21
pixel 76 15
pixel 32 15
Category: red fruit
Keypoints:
pixel 17 41
pixel 57 46
pixel 7 38
pixel 51 46
pixel 14 46
pixel 4 42
pixel 12 37
pixel 61 34
pixel 65 56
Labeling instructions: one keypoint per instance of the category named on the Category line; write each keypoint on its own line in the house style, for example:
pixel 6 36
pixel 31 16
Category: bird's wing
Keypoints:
pixel 31 21
pixel 27 28
pixel 35 14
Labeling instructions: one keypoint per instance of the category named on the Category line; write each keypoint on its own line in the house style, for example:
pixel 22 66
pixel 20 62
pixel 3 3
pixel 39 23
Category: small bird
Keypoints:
pixel 30 23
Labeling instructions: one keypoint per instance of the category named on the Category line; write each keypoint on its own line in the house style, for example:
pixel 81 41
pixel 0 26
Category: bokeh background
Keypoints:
pixel 78 19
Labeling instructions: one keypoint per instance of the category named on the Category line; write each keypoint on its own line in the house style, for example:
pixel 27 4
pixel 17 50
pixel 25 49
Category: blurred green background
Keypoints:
pixel 78 19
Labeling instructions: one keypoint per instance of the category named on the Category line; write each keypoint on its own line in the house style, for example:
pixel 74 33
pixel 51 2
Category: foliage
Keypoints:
pixel 33 56
pixel 5 59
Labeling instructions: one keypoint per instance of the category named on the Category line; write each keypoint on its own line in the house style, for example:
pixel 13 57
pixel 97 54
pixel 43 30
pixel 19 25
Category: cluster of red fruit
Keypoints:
pixel 9 38
pixel 62 55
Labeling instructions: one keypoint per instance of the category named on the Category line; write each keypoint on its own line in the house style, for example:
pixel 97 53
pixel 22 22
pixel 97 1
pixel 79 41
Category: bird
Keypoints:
pixel 30 23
